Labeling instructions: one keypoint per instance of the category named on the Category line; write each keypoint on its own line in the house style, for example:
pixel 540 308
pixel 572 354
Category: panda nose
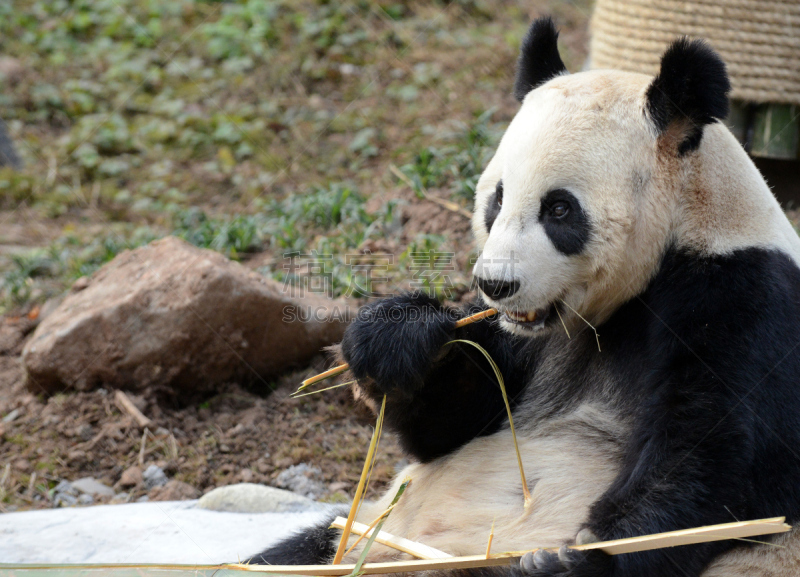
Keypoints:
pixel 497 289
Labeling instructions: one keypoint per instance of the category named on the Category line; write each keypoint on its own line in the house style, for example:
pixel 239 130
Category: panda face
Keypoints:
pixel 556 208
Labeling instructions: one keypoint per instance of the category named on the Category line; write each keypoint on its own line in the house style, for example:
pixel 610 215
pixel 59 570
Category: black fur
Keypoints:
pixel 570 233
pixel 539 60
pixel 493 209
pixel 705 363
pixel 313 546
pixel 437 398
pixel 692 86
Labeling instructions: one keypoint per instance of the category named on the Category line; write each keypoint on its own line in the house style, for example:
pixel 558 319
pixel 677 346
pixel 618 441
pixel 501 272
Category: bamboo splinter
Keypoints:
pixel 342 368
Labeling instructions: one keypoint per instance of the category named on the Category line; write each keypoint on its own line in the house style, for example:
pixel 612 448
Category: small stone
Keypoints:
pixel 80 284
pixel 76 456
pixel 246 476
pixel 84 431
pixel 90 486
pixel 11 69
pixel 143 499
pixel 131 477
pixel 65 488
pixel 120 498
pixel 174 490
pixel 302 479
pixel 11 416
pixel 64 500
pixel 253 498
pixel 85 499
pixel 154 476
pixel 341 486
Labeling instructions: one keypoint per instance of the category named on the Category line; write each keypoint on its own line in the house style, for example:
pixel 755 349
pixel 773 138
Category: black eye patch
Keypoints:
pixel 494 206
pixel 564 221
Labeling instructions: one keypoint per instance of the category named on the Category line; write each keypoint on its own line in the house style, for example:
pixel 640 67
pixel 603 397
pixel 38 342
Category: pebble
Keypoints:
pixel 85 499
pixel 131 477
pixel 11 416
pixel 90 486
pixel 85 432
pixel 302 479
pixel 154 476
pixel 254 498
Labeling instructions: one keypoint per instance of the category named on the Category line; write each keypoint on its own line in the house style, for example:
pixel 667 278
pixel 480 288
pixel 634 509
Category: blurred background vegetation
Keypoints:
pixel 252 127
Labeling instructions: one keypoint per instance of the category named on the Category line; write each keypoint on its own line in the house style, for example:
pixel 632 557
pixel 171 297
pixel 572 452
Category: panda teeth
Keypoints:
pixel 523 317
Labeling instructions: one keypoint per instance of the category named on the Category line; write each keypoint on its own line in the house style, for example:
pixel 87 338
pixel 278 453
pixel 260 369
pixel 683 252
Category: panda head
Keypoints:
pixel 575 209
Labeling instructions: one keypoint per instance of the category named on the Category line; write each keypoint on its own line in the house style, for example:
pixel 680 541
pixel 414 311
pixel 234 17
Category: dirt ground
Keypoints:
pixel 234 436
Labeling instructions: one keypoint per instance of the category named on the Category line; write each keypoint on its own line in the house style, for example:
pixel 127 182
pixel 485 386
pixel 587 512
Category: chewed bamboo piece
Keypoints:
pixel 414 548
pixel 695 536
pixel 342 368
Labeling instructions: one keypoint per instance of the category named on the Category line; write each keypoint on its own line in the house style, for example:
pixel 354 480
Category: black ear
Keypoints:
pixel 690 91
pixel 539 60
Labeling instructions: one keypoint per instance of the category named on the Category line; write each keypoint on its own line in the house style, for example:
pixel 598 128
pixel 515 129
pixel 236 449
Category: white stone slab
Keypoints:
pixel 161 532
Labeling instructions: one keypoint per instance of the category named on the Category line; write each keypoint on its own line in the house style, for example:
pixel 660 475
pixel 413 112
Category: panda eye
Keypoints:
pixel 559 209
pixel 498 193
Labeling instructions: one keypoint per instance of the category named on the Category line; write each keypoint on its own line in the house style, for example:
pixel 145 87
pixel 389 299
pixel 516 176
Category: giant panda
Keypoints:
pixel 649 338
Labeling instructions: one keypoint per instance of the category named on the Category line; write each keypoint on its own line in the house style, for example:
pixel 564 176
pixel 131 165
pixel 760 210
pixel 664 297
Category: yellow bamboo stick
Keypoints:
pixel 360 489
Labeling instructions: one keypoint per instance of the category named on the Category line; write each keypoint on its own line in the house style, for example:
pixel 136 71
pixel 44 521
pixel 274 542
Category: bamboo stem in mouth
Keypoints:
pixel 342 368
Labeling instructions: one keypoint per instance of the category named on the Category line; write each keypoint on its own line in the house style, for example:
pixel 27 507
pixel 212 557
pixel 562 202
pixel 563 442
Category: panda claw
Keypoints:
pixel 586 536
pixel 547 561
pixel 526 563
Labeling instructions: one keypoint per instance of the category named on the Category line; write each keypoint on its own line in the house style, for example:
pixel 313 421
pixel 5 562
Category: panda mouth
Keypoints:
pixel 531 320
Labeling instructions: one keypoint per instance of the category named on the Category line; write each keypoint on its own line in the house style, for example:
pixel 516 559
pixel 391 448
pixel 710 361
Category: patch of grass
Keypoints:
pixel 456 165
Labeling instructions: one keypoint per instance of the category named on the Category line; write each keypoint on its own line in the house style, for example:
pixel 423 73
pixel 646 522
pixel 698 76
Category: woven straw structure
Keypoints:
pixel 758 39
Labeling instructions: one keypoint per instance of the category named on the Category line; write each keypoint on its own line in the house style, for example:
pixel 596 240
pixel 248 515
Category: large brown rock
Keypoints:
pixel 175 315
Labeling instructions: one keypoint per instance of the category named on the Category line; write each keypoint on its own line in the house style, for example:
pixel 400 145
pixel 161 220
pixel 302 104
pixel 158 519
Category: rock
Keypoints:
pixel 172 314
pixel 131 477
pixel 120 498
pixel 11 416
pixel 253 498
pixel 174 490
pixel 154 476
pixel 23 465
pixel 65 495
pixel 90 486
pixel 64 500
pixel 85 499
pixel 160 533
pixel 84 431
pixel 303 480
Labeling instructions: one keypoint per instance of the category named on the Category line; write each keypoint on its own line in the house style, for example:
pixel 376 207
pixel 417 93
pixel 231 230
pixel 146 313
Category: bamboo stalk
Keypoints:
pixel 644 543
pixel 414 548
pixel 342 368
pixel 360 489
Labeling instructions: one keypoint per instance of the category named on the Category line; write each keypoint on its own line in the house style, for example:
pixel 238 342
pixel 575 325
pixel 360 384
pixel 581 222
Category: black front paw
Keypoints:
pixel 566 563
pixel 394 342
